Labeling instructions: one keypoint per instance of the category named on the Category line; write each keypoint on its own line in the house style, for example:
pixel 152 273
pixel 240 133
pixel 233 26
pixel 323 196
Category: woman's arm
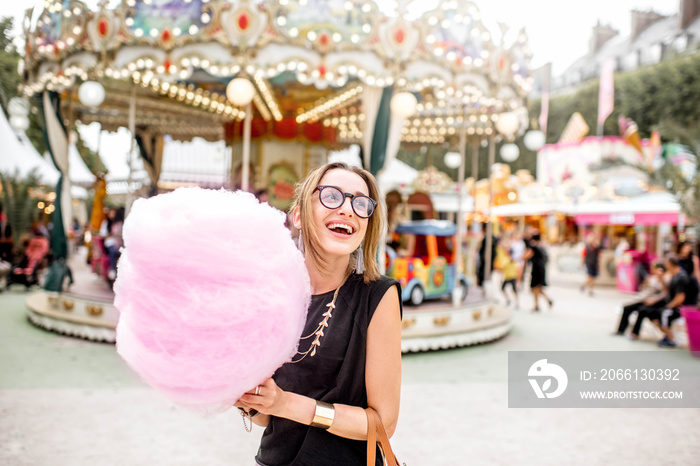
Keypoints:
pixel 383 380
pixel 383 365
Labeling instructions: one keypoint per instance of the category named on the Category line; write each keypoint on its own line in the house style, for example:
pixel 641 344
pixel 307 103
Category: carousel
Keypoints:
pixel 282 82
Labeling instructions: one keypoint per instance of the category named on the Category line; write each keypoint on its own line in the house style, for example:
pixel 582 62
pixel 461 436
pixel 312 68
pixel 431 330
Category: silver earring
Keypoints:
pixel 359 261
pixel 300 243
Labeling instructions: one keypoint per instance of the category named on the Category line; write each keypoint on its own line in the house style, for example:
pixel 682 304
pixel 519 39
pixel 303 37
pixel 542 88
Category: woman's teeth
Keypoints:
pixel 340 226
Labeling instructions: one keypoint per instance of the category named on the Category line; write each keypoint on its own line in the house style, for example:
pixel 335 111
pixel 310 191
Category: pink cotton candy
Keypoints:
pixel 212 292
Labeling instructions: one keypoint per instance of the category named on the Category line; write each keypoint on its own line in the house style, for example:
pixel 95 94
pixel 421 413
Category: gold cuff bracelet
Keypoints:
pixel 324 415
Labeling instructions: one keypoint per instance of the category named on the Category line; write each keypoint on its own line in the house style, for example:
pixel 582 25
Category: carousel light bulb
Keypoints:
pixel 453 159
pixel 240 91
pixel 91 93
pixel 507 123
pixel 403 104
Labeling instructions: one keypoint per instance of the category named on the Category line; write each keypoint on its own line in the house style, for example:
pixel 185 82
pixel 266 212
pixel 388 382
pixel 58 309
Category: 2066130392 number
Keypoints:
pixel 639 374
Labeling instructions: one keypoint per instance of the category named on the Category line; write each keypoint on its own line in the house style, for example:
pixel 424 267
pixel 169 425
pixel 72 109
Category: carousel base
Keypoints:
pixel 86 310
pixel 442 326
pixel 75 315
pixel 429 327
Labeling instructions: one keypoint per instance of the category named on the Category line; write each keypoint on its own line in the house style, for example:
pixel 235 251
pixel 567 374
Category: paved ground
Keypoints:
pixel 70 402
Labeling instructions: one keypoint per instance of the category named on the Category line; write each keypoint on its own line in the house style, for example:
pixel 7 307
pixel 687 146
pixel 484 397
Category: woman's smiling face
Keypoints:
pixel 340 231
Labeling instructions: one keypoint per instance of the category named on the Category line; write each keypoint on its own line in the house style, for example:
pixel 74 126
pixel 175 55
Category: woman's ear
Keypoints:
pixel 296 218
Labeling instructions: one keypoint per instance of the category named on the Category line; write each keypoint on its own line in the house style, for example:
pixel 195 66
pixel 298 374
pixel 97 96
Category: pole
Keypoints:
pixel 132 129
pixel 475 165
pixel 457 290
pixel 99 138
pixel 489 226
pixel 475 175
pixel 246 146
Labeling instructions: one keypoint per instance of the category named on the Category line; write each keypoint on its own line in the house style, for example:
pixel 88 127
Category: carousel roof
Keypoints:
pixel 311 62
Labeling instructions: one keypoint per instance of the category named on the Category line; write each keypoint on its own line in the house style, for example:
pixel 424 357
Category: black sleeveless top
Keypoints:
pixel 336 374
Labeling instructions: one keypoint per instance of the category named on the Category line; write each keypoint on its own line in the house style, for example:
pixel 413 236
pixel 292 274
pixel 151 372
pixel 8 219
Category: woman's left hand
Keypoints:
pixel 269 399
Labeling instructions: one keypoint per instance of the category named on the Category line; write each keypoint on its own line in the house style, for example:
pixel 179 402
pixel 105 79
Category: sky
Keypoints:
pixel 558 30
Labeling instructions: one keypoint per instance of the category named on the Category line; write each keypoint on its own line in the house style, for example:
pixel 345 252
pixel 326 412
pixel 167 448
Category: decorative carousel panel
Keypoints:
pixel 456 34
pixel 244 23
pixel 103 29
pixel 327 24
pixel 398 38
pixel 59 29
pixel 166 22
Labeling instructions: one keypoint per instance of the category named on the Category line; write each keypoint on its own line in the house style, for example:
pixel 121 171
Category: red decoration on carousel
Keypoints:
pixel 399 36
pixel 166 36
pixel 322 70
pixel 323 39
pixel 167 64
pixel 243 21
pixel 102 27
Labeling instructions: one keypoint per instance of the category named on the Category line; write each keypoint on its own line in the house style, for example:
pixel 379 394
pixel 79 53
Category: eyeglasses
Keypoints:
pixel 332 198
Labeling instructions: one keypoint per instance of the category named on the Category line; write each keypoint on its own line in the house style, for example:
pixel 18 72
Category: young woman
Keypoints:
pixel 349 356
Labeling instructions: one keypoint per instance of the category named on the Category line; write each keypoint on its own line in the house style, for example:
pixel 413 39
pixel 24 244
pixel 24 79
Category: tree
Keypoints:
pixel 9 59
pixel 668 91
pixel 10 81
pixel 18 201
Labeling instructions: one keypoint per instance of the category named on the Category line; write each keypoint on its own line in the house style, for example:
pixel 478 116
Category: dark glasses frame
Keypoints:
pixel 352 197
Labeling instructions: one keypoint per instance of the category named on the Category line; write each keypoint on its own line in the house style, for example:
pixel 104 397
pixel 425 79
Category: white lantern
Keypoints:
pixel 507 123
pixel 18 109
pixel 403 104
pixel 91 93
pixel 534 140
pixel 19 123
pixel 240 91
pixel 510 152
pixel 18 106
pixel 453 159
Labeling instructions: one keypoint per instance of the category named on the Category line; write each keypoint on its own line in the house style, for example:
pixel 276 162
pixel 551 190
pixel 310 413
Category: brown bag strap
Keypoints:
pixel 371 437
pixel 377 434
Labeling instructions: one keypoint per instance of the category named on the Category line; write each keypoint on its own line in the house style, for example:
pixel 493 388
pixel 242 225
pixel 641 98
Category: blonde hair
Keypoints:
pixel 303 195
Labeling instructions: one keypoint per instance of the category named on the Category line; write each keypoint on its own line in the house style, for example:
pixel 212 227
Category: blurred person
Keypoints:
pixel 262 195
pixel 622 246
pixel 39 229
pixel 113 241
pixel 517 251
pixel 670 311
pixel 537 256
pixel 481 271
pixel 6 241
pixel 75 233
pixel 591 260
pixel 510 269
pixel 689 262
pixel 652 296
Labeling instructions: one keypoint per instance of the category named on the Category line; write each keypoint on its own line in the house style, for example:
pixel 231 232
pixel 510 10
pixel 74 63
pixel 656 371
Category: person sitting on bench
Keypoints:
pixel 675 298
pixel 653 296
